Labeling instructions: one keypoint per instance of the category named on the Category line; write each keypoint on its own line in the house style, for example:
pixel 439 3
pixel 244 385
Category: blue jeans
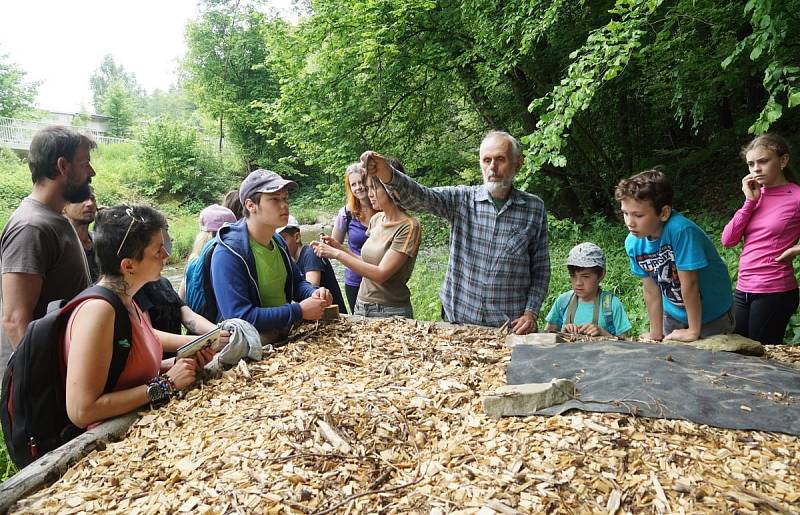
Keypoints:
pixel 369 310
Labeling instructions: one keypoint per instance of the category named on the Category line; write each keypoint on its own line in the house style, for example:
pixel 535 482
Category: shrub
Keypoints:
pixel 176 163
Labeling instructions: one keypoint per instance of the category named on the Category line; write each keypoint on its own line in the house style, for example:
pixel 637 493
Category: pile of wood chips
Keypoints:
pixel 368 417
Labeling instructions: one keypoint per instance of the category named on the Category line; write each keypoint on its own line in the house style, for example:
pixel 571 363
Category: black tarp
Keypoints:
pixel 721 389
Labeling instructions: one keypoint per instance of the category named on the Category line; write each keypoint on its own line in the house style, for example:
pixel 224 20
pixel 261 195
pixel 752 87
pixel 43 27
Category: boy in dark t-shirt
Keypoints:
pixel 317 271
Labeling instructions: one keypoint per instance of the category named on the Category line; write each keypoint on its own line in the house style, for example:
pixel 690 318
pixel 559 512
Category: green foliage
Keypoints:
pixel 173 104
pixel 310 206
pixel 108 73
pixel 602 58
pixel 16 95
pixel 16 183
pixel 118 170
pixel 426 280
pixel 178 164
pixel 225 75
pixel 373 75
pixel 596 90
pixel 82 119
pixel 773 25
pixel 7 468
pixel 119 105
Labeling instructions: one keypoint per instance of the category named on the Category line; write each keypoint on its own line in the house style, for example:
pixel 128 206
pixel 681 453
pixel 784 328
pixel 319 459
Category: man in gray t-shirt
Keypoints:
pixel 41 258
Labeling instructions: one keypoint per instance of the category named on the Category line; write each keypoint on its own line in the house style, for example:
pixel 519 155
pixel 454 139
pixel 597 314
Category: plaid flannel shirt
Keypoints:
pixel 499 261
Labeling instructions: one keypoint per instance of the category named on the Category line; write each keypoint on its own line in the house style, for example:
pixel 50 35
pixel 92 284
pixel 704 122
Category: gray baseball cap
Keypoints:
pixel 586 255
pixel 262 181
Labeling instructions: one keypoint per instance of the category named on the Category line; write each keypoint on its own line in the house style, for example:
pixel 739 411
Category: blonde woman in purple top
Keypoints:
pixel 768 224
pixel 351 224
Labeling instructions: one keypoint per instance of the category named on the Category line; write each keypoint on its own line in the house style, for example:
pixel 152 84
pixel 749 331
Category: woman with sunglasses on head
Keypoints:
pixel 387 256
pixel 130 248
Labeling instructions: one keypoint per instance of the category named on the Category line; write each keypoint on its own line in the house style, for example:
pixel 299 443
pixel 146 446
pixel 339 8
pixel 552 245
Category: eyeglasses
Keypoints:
pixel 166 247
pixel 134 218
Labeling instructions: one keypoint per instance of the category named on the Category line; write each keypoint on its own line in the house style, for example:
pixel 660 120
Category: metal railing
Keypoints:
pixel 17 134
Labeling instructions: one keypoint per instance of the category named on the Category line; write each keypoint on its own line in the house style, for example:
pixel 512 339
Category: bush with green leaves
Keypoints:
pixel 177 162
pixel 16 183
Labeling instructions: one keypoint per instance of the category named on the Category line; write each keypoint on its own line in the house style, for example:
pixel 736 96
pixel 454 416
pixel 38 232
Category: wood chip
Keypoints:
pixel 385 416
pixel 333 437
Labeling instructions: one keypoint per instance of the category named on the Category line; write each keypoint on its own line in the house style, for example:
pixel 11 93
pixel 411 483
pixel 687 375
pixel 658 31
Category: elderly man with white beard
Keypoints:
pixel 499 267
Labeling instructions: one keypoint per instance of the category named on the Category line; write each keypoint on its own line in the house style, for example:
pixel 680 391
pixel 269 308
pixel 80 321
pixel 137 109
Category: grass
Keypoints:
pixel 7 468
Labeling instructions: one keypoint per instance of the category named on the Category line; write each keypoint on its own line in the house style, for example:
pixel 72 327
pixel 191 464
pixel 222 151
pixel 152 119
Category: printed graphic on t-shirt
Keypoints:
pixel 661 267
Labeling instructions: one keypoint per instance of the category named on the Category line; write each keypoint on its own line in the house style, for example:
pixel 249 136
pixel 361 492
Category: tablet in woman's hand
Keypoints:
pixel 210 339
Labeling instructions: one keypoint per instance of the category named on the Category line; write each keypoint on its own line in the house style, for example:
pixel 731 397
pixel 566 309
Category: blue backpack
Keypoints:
pixel 199 290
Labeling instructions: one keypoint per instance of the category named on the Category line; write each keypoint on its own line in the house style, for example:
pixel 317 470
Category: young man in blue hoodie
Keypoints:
pixel 251 272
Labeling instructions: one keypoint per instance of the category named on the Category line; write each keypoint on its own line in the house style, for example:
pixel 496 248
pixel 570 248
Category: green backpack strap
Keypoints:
pixel 572 306
pixel 607 300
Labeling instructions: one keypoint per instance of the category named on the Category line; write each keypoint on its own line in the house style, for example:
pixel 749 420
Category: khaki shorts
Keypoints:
pixel 367 309
pixel 721 325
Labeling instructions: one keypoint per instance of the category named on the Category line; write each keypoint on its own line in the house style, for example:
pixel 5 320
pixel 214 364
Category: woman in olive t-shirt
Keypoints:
pixel 387 257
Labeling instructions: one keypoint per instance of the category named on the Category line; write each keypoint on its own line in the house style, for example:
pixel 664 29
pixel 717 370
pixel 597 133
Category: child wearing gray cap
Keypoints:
pixel 586 308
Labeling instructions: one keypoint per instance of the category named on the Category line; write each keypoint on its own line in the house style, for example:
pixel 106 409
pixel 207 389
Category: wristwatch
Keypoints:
pixel 155 391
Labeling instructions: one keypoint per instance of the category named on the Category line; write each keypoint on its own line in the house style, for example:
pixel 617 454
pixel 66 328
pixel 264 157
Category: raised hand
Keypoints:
pixel 750 187
pixel 375 164
pixel 324 250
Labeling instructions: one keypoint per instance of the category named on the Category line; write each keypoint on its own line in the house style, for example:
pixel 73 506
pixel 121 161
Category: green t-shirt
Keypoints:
pixel 270 274
pixel 499 203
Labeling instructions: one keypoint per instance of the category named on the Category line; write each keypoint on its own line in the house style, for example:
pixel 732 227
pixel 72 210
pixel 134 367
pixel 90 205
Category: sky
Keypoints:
pixel 60 43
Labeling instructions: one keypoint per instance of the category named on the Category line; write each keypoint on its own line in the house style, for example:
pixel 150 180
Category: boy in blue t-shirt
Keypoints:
pixel 586 309
pixel 686 285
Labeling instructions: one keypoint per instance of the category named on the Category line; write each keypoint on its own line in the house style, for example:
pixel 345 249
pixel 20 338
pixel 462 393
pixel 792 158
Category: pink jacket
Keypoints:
pixel 768 226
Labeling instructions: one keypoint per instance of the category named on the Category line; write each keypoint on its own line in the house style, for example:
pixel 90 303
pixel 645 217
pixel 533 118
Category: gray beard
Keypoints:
pixel 500 188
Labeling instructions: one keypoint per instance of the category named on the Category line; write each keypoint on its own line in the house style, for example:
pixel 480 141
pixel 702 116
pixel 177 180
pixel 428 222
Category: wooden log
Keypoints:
pixel 52 465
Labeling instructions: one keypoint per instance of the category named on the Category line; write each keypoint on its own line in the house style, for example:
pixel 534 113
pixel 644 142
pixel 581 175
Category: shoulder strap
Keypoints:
pixel 596 309
pixel 122 329
pixel 210 312
pixel 348 215
pixel 572 307
pixel 608 313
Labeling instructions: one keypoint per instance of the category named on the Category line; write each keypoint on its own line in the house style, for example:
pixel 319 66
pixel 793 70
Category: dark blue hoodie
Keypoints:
pixel 233 275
